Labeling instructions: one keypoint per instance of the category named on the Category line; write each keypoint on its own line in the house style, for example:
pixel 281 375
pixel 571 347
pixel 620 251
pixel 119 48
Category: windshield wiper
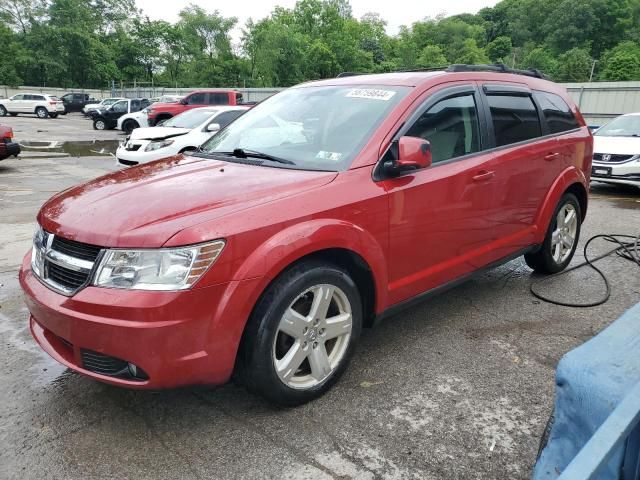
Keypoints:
pixel 243 153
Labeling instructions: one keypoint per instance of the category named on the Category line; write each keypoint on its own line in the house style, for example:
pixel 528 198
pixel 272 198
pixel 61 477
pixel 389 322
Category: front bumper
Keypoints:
pixel 177 338
pixel 627 173
pixel 135 157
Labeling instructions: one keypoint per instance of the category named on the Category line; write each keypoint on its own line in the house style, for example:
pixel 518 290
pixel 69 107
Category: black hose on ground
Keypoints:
pixel 628 247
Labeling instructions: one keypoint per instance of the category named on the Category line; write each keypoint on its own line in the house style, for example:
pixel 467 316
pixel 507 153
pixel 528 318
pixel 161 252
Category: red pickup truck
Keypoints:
pixel 7 146
pixel 163 111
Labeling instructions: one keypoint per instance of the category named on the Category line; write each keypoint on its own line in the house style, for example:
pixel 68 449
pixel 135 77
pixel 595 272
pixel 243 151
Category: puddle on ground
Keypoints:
pixel 86 148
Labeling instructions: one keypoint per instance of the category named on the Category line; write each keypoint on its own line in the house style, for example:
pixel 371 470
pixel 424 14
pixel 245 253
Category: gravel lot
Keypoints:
pixel 458 387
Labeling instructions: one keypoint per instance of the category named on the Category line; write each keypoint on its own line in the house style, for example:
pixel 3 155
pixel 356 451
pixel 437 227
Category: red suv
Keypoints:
pixel 7 146
pixel 164 111
pixel 321 210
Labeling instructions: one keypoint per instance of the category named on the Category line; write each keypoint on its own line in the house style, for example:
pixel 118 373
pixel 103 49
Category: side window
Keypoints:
pixel 557 113
pixel 28 97
pixel 196 99
pixel 218 98
pixel 239 99
pixel 120 107
pixel 515 118
pixel 135 105
pixel 37 97
pixel 225 118
pixel 451 126
pixel 17 97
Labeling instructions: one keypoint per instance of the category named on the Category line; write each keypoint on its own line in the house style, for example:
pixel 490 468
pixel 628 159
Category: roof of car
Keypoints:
pixel 221 108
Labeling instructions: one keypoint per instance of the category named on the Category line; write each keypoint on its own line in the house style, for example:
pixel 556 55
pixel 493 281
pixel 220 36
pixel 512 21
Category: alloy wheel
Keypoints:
pixel 564 235
pixel 313 336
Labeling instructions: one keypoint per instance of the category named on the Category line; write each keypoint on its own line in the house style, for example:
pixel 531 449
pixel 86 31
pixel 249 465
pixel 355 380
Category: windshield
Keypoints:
pixel 627 126
pixel 109 101
pixel 189 119
pixel 321 128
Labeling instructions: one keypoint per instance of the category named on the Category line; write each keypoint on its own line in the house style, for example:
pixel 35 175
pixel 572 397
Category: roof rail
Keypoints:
pixel 496 67
pixel 460 67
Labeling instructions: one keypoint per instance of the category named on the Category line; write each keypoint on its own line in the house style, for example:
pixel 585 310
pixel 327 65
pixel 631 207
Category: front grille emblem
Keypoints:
pixel 606 157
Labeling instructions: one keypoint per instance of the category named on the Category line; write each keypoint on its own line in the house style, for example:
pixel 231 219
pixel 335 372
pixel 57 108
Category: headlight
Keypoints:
pixel 159 144
pixel 161 269
pixel 37 252
pixel 146 110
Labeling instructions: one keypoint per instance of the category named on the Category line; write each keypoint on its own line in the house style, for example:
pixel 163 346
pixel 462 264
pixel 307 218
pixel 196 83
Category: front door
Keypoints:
pixel 17 103
pixel 441 218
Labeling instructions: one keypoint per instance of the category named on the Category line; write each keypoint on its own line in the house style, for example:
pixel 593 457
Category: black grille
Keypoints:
pixel 66 277
pixel 612 158
pixel 129 163
pixel 103 364
pixel 75 249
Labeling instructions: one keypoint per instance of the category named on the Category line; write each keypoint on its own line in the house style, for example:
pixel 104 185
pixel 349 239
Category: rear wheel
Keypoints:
pixel 561 239
pixel 301 334
pixel 3 111
pixel 42 112
pixel 99 124
pixel 129 126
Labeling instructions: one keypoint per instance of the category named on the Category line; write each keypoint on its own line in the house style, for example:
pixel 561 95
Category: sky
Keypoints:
pixel 395 12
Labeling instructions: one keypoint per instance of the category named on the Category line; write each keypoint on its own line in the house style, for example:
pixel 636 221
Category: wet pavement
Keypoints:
pixel 458 387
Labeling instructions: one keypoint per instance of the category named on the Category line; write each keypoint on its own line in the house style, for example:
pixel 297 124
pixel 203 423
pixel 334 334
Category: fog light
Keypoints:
pixel 137 372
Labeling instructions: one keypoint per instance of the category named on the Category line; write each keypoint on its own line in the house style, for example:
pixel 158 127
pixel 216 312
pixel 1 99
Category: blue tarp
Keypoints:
pixel 591 380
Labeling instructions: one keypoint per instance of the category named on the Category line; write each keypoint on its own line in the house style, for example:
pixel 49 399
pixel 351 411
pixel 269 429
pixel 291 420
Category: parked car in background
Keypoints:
pixel 107 102
pixel 107 118
pixel 616 147
pixel 180 134
pixel 264 259
pixel 38 104
pixel 129 122
pixel 199 98
pixel 75 102
pixel 7 146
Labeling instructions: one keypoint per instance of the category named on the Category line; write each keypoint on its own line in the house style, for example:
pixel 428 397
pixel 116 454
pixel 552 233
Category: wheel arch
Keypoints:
pixel 570 180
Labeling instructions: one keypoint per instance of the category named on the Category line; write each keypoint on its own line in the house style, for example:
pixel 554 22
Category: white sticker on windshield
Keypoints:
pixel 333 156
pixel 371 93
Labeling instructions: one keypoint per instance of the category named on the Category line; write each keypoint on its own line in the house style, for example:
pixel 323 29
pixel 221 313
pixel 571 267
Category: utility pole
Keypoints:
pixel 593 67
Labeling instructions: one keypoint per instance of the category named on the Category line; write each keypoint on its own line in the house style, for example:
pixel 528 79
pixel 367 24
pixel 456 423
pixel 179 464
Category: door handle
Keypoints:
pixel 551 156
pixel 483 176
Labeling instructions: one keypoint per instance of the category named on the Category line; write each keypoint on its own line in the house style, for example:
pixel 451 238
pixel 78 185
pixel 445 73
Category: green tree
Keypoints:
pixel 499 49
pixel 432 56
pixel 540 59
pixel 622 62
pixel 574 66
pixel 468 52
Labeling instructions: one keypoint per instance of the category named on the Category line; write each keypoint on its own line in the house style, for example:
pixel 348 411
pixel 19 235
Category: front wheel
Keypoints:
pixel 561 239
pixel 3 111
pixel 129 126
pixel 301 334
pixel 42 112
pixel 99 124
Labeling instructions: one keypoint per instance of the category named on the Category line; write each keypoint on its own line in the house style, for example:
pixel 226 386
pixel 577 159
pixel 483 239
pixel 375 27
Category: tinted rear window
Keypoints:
pixel 557 113
pixel 515 118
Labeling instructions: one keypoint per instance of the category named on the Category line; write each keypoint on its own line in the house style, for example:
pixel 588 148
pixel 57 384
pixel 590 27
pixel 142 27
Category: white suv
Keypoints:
pixel 35 103
pixel 616 151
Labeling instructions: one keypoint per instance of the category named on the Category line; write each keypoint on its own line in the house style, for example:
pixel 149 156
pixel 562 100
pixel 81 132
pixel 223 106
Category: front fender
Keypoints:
pixel 568 177
pixel 297 241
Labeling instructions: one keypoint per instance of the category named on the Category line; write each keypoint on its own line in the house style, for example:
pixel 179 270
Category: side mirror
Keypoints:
pixel 213 127
pixel 183 101
pixel 413 153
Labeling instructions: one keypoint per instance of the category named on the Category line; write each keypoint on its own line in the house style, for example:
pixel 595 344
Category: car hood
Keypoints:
pixel 145 206
pixel 157 133
pixel 616 145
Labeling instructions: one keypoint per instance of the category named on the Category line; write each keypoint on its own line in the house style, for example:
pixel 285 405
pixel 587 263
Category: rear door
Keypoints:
pixel 440 220
pixel 524 155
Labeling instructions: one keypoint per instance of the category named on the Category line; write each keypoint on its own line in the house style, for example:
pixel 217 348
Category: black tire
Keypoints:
pixel 42 112
pixel 542 261
pixel 129 126
pixel 3 111
pixel 255 367
pixel 99 124
pixel 53 115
